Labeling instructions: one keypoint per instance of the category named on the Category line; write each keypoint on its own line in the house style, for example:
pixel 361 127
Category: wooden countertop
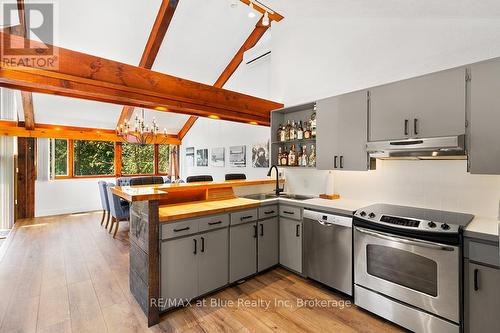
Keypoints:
pixel 170 213
pixel 161 191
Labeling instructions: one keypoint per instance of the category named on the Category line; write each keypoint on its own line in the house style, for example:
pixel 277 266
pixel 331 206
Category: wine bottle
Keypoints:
pixel 312 157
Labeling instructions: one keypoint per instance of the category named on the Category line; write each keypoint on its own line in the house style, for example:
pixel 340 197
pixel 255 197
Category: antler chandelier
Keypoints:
pixel 142 133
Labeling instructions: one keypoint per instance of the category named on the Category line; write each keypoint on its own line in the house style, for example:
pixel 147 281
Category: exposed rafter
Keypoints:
pixel 89 77
pixel 11 128
pixel 250 42
pixel 160 27
pixel 27 97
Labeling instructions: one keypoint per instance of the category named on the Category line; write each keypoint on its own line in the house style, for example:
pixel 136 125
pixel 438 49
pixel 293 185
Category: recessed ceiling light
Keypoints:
pixel 253 123
pixel 161 108
pixel 213 116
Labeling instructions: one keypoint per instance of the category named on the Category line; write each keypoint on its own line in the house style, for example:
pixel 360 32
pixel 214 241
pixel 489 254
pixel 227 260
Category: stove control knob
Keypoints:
pixel 363 213
pixel 371 215
pixel 444 226
pixel 431 224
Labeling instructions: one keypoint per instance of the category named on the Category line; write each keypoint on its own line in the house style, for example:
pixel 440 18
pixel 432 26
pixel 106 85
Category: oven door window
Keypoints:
pixel 403 268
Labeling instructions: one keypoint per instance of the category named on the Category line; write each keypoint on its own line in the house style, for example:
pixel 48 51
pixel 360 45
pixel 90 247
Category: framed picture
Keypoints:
pixel 202 157
pixel 237 156
pixel 190 156
pixel 260 155
pixel 217 157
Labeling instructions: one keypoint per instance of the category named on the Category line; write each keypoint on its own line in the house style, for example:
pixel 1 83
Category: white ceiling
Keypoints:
pixel 201 40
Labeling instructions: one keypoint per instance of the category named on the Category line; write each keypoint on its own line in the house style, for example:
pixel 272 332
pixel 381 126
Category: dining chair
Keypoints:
pixel 118 211
pixel 104 201
pixel 147 180
pixel 235 176
pixel 199 178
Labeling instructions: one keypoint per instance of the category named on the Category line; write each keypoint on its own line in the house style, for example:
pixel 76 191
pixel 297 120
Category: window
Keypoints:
pixel 163 158
pixel 137 159
pixel 93 158
pixel 59 157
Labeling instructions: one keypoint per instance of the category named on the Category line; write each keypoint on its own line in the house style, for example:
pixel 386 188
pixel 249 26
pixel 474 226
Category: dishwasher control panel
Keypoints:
pixel 327 218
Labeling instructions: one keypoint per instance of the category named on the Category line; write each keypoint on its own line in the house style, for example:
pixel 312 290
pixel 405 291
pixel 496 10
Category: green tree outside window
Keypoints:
pixel 94 158
pixel 137 159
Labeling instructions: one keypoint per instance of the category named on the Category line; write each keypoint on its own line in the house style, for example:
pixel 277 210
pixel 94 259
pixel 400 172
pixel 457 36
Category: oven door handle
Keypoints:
pixel 420 243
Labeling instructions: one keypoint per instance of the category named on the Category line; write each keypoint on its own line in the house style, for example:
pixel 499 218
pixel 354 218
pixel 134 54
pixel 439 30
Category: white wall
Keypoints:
pixel 67 196
pixel 208 133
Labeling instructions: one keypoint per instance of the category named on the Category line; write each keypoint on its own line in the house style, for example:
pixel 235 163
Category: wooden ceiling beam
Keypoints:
pixel 26 97
pixel 160 27
pixel 80 75
pixel 11 128
pixel 233 65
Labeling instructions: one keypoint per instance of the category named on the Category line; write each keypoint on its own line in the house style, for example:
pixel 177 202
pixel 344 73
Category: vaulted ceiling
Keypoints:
pixel 201 40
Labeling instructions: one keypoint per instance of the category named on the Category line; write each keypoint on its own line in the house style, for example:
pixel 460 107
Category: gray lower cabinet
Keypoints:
pixel 290 253
pixel 213 261
pixel 179 271
pixel 483 298
pixel 484 133
pixel 192 266
pixel 342 132
pixel 432 105
pixel 242 251
pixel 267 243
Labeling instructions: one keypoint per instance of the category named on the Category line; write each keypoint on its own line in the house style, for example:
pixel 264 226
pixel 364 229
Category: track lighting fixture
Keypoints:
pixel 251 13
pixel 265 19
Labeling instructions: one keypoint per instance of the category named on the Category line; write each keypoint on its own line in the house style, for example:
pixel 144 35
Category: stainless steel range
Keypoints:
pixel 408 266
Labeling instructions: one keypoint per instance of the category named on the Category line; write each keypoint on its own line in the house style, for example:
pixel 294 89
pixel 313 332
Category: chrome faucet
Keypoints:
pixel 278 189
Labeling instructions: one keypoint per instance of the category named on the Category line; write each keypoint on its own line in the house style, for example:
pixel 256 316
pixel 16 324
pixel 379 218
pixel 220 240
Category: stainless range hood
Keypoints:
pixel 449 147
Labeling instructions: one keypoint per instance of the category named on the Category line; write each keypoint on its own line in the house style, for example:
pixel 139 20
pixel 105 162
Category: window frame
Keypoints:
pixel 117 162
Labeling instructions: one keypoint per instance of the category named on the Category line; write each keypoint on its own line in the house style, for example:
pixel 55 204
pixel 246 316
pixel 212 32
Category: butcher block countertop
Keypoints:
pixel 162 191
pixel 169 213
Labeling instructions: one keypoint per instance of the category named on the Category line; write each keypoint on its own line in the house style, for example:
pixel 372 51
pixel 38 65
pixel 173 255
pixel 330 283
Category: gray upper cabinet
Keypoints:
pixel 243 251
pixel 213 261
pixel 342 132
pixel 267 244
pixel 179 270
pixel 483 299
pixel 432 105
pixel 291 243
pixel 484 132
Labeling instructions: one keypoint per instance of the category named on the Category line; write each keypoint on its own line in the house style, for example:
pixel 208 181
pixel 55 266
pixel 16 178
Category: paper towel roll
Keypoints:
pixel 329 183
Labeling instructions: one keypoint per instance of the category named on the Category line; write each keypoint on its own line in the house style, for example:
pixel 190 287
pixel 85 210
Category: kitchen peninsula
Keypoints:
pixel 155 206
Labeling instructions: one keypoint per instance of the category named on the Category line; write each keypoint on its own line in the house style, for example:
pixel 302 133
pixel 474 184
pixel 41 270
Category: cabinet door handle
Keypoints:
pixel 406 126
pixel 476 283
pixel 195 246
pixel 288 212
pixel 261 229
pixel 255 231
pixel 182 229
pixel 246 217
pixel 202 244
pixel 335 162
pixel 297 230
pixel 214 223
pixel 415 126
pixel 269 212
pixel 342 162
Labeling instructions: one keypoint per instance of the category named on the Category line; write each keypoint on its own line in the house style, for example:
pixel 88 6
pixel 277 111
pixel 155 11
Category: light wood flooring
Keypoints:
pixel 67 274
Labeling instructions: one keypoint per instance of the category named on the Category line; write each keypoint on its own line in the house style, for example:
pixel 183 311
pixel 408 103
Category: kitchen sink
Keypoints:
pixel 265 196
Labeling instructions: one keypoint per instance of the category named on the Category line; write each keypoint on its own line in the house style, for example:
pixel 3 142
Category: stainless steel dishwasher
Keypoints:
pixel 328 249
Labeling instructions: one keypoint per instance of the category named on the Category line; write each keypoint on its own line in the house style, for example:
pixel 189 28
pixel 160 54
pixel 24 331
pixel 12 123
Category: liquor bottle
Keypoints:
pixel 279 133
pixel 279 156
pixel 293 132
pixel 307 131
pixel 300 131
pixel 283 133
pixel 292 157
pixel 299 156
pixel 284 158
pixel 313 123
pixel 305 158
pixel 287 131
pixel 312 157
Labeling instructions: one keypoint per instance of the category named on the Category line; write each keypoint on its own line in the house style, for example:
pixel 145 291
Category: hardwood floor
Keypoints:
pixel 67 274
